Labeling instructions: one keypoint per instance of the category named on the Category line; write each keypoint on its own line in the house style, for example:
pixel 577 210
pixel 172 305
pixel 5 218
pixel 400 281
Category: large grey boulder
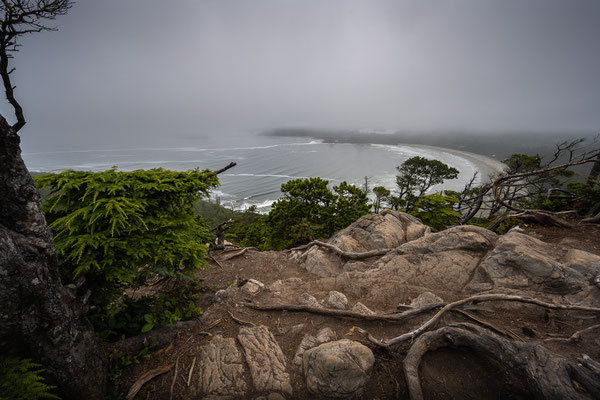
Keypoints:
pixel 522 262
pixel 222 372
pixel 265 359
pixel 444 260
pixel 309 341
pixel 388 229
pixel 338 369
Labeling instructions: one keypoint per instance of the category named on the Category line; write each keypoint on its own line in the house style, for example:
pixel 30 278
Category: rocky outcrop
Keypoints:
pixel 388 229
pixel 522 262
pixel 338 369
pixel 265 359
pixel 222 372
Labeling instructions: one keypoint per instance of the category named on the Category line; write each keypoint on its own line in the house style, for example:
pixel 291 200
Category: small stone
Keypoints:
pixel 424 299
pixel 337 300
pixel 252 286
pixel 308 300
pixel 362 309
pixel 338 369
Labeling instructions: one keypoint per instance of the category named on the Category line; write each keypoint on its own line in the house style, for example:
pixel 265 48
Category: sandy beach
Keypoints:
pixel 486 166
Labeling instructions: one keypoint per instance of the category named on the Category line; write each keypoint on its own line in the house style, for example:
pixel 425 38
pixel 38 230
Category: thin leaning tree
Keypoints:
pixel 39 318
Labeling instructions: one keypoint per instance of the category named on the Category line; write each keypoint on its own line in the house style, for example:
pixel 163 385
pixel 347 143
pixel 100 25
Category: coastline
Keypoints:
pixel 487 166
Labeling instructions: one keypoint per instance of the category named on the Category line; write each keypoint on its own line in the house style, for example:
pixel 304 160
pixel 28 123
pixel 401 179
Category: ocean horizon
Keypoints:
pixel 266 162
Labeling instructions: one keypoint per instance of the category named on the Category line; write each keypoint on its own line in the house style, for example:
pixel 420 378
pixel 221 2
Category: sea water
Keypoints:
pixel 263 163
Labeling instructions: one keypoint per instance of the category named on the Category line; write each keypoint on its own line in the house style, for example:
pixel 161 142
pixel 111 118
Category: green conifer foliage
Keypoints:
pixel 116 227
pixel 20 379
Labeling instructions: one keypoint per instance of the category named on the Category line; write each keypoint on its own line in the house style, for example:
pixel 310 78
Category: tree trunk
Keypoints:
pixel 39 317
pixel 595 171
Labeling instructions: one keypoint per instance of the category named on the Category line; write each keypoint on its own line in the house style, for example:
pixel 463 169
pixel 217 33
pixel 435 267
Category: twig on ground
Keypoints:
pixel 240 321
pixel 191 372
pixel 174 378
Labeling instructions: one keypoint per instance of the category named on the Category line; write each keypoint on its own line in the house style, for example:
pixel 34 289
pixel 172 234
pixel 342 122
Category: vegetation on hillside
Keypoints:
pixel 120 229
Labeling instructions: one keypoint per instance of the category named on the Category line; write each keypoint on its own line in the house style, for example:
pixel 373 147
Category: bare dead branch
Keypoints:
pixel 225 168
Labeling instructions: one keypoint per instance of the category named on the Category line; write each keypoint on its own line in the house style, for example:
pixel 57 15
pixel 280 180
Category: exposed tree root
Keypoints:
pixel 592 220
pixel 146 377
pixel 239 320
pixel 344 254
pixel 545 375
pixel 346 314
pixel 575 337
pixel 473 299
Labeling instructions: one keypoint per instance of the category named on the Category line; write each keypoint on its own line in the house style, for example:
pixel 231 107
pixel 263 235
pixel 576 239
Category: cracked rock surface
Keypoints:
pixel 338 369
pixel 265 359
pixel 222 371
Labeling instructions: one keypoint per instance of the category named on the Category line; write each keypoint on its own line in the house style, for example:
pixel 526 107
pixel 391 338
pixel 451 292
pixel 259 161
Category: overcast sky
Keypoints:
pixel 131 70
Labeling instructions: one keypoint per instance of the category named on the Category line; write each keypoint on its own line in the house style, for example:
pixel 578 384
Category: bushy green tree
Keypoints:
pixel 381 195
pixel 307 210
pixel 436 210
pixel 416 176
pixel 117 228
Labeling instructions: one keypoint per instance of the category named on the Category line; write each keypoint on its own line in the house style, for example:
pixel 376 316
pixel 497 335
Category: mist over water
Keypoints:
pixel 263 163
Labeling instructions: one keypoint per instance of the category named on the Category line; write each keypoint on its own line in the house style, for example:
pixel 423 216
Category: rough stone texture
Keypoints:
pixel 585 263
pixel 221 371
pixel 308 300
pixel 252 287
pixel 39 317
pixel 522 262
pixel 336 300
pixel 338 369
pixel 362 309
pixel 389 229
pixel 309 341
pixel 424 299
pixel 265 359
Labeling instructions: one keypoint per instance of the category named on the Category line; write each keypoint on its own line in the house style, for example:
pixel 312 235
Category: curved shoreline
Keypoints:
pixel 487 166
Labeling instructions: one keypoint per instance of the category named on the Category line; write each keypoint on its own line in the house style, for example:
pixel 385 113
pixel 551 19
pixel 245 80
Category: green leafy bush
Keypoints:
pixel 131 316
pixel 308 210
pixel 436 210
pixel 120 228
pixel 21 379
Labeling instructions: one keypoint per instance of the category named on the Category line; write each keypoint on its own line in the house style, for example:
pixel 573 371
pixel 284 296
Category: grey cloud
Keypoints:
pixel 122 70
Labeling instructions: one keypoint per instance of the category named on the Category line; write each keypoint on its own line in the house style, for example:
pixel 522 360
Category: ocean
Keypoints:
pixel 266 162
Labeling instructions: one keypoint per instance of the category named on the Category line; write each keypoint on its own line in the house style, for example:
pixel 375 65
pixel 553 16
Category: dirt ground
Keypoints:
pixel 446 374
